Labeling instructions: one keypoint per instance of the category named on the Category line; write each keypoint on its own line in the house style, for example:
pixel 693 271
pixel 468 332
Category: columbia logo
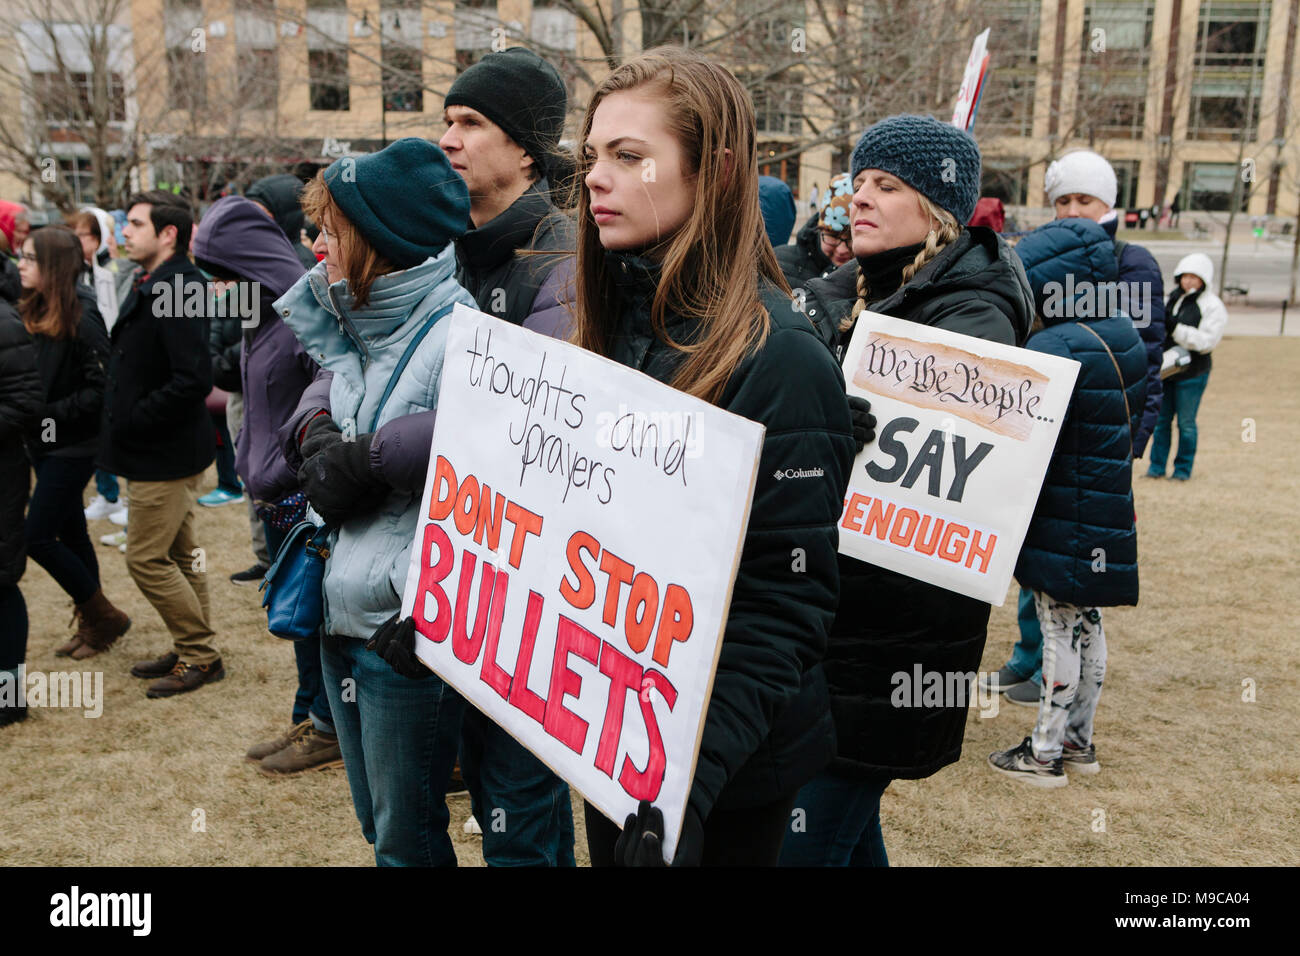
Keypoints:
pixel 798 473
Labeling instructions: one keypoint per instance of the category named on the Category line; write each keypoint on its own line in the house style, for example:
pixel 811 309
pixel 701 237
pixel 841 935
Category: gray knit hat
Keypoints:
pixel 939 161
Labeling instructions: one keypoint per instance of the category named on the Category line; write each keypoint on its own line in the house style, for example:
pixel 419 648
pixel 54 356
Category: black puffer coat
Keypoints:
pixel 280 194
pixel 20 400
pixel 72 380
pixel 888 623
pixel 768 730
pixel 803 259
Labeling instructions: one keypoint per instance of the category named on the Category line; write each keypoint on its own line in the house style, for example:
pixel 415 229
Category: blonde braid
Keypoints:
pixel 846 323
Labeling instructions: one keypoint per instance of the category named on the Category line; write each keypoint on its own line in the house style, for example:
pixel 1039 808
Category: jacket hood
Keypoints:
pixel 1066 255
pixel 237 235
pixel 106 226
pixel 777 205
pixel 1197 264
pixel 280 194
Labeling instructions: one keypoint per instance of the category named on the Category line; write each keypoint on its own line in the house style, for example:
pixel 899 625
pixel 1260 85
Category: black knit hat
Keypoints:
pixel 939 161
pixel 521 93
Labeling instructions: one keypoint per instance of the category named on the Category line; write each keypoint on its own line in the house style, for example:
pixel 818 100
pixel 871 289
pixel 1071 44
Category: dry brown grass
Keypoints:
pixel 1192 774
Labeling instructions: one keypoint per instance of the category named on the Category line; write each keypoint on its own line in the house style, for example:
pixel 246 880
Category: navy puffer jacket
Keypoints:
pixel 1081 547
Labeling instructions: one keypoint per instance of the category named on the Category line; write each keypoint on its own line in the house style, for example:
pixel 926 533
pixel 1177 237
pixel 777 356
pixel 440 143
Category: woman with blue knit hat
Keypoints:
pixel 375 313
pixel 916 181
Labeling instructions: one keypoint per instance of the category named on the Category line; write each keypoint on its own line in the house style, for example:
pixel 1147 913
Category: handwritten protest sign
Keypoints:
pixel 572 570
pixel 965 431
pixel 972 83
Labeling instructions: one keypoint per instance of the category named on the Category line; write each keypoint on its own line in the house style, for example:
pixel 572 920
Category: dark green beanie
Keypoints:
pixel 521 93
pixel 405 200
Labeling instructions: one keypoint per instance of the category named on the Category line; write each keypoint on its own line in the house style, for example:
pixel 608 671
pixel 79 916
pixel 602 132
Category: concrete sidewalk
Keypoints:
pixel 1261 320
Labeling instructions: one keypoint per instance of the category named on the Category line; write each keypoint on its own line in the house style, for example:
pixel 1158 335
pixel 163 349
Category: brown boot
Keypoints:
pixel 259 751
pixel 104 624
pixel 311 751
pixel 77 639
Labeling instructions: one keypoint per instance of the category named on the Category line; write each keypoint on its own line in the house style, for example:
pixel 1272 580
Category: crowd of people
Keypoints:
pixel 325 406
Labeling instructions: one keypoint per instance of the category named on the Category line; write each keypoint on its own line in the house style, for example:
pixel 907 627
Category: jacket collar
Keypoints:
pixel 493 243
pixel 393 297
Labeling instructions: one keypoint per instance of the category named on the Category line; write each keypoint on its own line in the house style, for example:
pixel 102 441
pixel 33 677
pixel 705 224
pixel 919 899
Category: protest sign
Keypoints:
pixel 972 84
pixel 571 573
pixel 965 431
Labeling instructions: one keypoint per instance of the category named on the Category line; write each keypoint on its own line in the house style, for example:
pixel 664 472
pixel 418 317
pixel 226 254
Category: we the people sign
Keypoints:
pixel 572 569
pixel 965 430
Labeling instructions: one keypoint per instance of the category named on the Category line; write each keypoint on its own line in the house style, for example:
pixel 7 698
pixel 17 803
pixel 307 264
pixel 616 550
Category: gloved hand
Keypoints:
pixel 339 482
pixel 321 432
pixel 395 643
pixel 864 423
pixel 641 842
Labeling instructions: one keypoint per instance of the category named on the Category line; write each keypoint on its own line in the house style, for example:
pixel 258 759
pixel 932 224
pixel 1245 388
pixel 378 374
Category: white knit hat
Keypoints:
pixel 1081 171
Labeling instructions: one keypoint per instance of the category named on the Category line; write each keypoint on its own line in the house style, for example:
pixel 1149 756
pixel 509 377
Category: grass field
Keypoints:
pixel 1193 774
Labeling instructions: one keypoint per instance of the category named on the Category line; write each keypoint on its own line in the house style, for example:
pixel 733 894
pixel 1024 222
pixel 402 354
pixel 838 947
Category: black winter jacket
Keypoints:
pixel 72 380
pixel 20 400
pixel 888 623
pixel 803 259
pixel 156 425
pixel 767 731
pixel 225 338
pixel 505 284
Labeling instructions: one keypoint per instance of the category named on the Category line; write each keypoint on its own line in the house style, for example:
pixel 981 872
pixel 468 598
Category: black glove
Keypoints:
pixel 641 842
pixel 864 423
pixel 395 643
pixel 339 482
pixel 321 433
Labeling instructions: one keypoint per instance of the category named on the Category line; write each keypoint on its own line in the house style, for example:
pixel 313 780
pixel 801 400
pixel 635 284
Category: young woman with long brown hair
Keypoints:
pixel 676 278
pixel 71 347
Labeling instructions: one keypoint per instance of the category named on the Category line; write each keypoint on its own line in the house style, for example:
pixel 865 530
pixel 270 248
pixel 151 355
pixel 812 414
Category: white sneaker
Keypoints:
pixel 115 540
pixel 118 517
pixel 101 507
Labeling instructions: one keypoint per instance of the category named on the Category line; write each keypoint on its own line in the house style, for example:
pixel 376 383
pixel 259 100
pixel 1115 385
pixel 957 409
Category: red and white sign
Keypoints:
pixel 972 83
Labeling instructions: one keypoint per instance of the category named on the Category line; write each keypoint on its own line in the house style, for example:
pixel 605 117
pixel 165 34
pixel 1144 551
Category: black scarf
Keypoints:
pixel 884 270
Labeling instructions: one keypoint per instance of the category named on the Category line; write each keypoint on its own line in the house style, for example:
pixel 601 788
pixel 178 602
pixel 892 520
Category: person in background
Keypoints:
pixel 21 396
pixel 224 338
pixel 777 204
pixel 1085 505
pixel 824 243
pixel 1196 319
pixel 59 312
pixel 158 435
pixel 14 228
pixel 278 195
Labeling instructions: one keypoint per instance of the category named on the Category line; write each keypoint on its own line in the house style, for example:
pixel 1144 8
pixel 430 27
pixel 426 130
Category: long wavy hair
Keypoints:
pixel 711 266
pixel 53 309
pixel 944 228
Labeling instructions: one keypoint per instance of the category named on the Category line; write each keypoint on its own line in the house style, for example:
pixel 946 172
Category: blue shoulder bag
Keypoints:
pixel 294 584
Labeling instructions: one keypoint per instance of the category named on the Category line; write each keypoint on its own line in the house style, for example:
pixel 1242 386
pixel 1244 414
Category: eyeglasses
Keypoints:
pixel 27 256
pixel 835 239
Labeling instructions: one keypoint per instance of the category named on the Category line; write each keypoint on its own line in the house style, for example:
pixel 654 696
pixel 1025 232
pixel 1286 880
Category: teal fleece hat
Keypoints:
pixel 405 200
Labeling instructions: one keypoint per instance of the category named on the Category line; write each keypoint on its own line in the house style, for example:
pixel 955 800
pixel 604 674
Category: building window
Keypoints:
pixel 186 67
pixel 77 174
pixel 1126 177
pixel 401 39
pixel 1229 78
pixel 71 99
pixel 1113 73
pixel 1219 108
pixel 1210 187
pixel 1232 35
pixel 327 54
pixel 554 26
pixel 1005 178
pixel 255 54
pixel 778 105
pixel 1007 102
pixel 786 170
pixel 474 22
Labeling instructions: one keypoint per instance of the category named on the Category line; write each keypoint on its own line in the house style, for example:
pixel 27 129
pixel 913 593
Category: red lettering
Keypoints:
pixel 645 784
pixel 878 520
pixel 924 544
pixel 444 476
pixel 584 594
pixel 525 523
pixel 431 576
pixel 644 597
pixel 520 695
pixel 467 495
pixel 561 723
pixel 675 623
pixel 489 521
pixel 853 512
pixel 984 553
pixel 492 673
pixel 899 535
pixel 464 647
pixel 953 530
pixel 619 573
pixel 624 675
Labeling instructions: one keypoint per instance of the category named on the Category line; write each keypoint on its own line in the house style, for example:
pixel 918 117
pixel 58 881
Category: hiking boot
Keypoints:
pixel 253 575
pixel 1020 763
pixel 1081 759
pixel 101 625
pixel 1001 681
pixel 158 667
pixel 77 639
pixel 1026 693
pixel 313 750
pixel 258 751
pixel 186 677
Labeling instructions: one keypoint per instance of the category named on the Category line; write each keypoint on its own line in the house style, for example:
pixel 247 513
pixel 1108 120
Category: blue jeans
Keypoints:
pixel 522 807
pixel 1027 655
pixel 106 485
pixel 1182 398
pixel 56 533
pixel 840 823
pixel 399 738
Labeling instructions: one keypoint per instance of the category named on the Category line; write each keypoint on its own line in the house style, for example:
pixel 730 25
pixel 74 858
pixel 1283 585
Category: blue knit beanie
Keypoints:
pixel 405 200
pixel 939 161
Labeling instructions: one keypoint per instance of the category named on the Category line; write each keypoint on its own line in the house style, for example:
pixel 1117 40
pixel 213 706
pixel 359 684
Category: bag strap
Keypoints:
pixel 406 358
pixel 1128 414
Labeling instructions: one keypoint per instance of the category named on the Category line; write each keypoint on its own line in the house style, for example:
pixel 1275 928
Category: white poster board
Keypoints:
pixel 965 429
pixel 972 83
pixel 571 573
